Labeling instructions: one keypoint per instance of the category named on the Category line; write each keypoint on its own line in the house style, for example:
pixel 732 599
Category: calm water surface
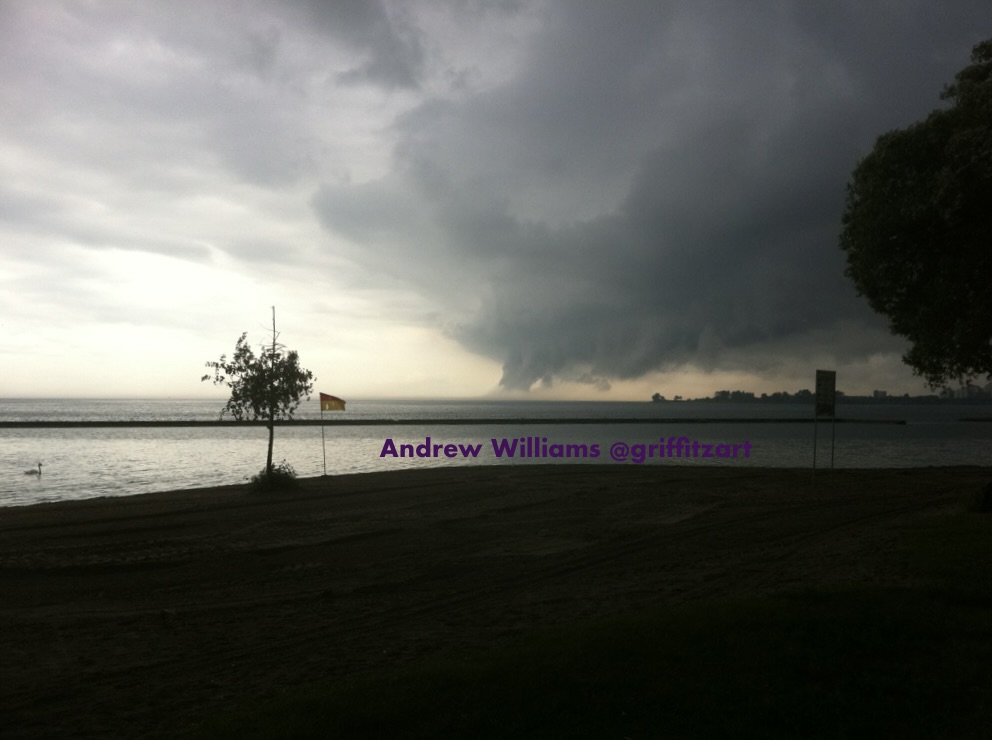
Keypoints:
pixel 83 463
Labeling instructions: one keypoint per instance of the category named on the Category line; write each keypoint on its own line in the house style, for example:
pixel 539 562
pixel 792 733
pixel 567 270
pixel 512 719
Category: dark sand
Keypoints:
pixel 139 616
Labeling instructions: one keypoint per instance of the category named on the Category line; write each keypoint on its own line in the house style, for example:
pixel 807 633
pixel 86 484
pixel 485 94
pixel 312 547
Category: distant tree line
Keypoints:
pixel 965 394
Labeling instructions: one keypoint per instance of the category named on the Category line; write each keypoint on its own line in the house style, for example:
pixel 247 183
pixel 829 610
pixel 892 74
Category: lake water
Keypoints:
pixel 88 462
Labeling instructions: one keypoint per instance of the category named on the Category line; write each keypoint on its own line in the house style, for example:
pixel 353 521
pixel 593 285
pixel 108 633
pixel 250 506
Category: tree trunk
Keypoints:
pixel 268 460
pixel 272 400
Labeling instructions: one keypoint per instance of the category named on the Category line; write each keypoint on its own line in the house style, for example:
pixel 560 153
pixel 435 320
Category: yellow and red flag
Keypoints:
pixel 331 403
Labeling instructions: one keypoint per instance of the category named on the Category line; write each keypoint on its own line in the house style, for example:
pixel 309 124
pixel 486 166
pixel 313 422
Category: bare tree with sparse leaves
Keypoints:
pixel 266 387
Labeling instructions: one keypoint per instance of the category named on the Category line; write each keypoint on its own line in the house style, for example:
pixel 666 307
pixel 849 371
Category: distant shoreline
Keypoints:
pixel 427 422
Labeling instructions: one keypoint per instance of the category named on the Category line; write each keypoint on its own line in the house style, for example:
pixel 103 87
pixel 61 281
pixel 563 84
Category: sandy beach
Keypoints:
pixel 139 616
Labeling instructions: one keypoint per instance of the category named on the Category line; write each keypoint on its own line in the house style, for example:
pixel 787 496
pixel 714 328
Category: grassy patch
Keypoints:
pixel 282 477
pixel 910 663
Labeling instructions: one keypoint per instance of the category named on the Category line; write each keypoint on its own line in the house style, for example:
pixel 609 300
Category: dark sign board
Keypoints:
pixel 826 391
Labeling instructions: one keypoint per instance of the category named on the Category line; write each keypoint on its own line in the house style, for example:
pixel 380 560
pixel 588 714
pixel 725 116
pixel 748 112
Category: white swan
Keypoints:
pixel 33 471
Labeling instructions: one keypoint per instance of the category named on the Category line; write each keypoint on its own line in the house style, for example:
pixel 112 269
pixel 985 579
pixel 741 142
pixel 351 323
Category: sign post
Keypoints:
pixel 826 395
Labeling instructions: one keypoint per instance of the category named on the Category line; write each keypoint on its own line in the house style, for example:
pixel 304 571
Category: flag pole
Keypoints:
pixel 332 403
pixel 323 444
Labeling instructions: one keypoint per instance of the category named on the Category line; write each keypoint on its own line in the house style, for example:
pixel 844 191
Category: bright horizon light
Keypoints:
pixel 543 200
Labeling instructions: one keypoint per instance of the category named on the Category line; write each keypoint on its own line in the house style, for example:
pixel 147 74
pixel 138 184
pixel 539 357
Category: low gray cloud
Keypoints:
pixel 658 186
pixel 383 34
pixel 583 191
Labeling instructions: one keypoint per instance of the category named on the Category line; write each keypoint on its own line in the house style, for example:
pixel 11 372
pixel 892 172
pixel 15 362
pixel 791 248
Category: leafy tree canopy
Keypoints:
pixel 265 387
pixel 917 229
pixel 269 386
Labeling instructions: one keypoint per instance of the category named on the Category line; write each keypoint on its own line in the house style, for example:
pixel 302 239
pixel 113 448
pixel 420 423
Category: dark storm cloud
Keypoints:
pixel 153 92
pixel 585 191
pixel 394 57
pixel 659 184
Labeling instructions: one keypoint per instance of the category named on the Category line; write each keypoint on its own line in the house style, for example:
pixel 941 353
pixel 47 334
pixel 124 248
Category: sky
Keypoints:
pixel 546 200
